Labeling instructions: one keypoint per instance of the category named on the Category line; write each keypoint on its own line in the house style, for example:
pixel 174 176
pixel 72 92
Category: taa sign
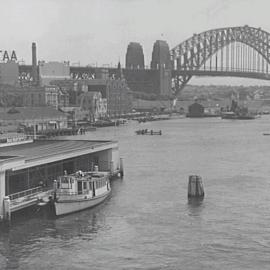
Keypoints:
pixel 5 56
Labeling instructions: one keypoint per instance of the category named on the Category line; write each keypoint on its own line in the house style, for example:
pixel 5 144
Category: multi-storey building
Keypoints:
pixel 9 73
pixel 93 105
pixel 56 97
pixel 119 97
pixel 51 71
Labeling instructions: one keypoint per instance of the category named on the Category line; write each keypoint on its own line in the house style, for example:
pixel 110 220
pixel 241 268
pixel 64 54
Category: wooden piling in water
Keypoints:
pixel 121 171
pixel 7 212
pixel 195 187
pixel 111 167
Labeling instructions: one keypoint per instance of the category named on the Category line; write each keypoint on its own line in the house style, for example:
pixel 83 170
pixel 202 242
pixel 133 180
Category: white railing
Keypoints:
pixel 63 193
pixel 25 193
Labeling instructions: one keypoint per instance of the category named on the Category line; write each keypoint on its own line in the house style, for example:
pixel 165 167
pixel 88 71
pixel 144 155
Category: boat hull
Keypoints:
pixel 71 206
pixel 238 117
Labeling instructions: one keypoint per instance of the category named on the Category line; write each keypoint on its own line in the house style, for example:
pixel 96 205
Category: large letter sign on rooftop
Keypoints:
pixel 4 56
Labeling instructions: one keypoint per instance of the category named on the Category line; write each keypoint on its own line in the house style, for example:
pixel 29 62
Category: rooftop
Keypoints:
pixel 30 113
pixel 49 148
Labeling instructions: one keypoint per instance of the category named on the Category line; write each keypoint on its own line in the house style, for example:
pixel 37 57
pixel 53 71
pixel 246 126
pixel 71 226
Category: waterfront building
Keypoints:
pixel 93 104
pixel 9 73
pixel 11 95
pixel 51 96
pixel 134 56
pixel 51 71
pixel 195 110
pixel 114 92
pixel 33 118
pixel 119 97
pixel 75 114
pixel 56 97
pixel 33 97
pixel 27 169
pixel 94 85
pixel 102 108
pixel 70 88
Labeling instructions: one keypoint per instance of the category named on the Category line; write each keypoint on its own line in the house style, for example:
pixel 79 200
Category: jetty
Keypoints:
pixel 28 170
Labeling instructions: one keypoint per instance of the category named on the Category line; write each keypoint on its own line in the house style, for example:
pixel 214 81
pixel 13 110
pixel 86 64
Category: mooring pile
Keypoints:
pixel 195 187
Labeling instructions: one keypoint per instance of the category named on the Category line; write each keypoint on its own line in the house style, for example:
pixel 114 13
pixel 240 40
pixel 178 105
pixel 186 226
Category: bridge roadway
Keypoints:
pixel 221 73
pixel 181 72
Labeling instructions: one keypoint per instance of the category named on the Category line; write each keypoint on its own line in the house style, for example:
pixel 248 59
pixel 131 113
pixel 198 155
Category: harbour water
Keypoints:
pixel 147 223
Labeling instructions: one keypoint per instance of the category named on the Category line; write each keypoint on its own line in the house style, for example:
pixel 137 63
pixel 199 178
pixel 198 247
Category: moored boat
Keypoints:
pixel 233 115
pixel 81 190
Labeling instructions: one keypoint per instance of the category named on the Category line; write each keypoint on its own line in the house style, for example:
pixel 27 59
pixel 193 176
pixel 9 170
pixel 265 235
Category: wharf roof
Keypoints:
pixel 45 149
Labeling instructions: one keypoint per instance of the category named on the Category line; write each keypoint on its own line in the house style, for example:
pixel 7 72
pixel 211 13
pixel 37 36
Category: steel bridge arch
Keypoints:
pixel 193 53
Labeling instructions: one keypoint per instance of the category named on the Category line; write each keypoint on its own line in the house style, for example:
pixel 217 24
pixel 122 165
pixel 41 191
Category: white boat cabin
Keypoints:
pixel 86 184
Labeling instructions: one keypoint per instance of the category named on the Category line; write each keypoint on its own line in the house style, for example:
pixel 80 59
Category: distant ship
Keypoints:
pixel 238 112
pixel 197 110
pixel 233 115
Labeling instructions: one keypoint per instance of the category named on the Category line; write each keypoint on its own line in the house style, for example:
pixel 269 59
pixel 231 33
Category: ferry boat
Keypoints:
pixel 81 190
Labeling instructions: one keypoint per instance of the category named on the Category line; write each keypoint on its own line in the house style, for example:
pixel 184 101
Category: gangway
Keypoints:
pixel 29 197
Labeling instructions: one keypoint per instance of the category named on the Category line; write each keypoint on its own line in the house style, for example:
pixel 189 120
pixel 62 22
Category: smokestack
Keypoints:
pixel 34 63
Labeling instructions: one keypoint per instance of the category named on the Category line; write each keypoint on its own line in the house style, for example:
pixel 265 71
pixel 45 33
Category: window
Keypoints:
pixel 64 180
pixel 84 185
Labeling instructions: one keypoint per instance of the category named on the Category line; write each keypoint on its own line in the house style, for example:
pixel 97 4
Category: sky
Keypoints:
pixel 97 32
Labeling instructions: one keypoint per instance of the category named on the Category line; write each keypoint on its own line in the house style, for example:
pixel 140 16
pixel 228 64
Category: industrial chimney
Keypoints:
pixel 34 63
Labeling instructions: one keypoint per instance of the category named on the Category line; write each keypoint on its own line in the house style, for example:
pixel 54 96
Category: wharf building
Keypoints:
pixel 9 73
pixel 28 170
pixel 32 119
pixel 52 96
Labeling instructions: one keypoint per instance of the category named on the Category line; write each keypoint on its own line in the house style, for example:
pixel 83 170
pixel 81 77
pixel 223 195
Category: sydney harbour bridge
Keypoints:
pixel 242 51
pixel 234 51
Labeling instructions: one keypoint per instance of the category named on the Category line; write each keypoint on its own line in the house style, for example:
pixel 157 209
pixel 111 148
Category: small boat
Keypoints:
pixel 81 190
pixel 148 132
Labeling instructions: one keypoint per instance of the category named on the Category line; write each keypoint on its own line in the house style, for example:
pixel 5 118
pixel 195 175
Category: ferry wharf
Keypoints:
pixel 28 171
